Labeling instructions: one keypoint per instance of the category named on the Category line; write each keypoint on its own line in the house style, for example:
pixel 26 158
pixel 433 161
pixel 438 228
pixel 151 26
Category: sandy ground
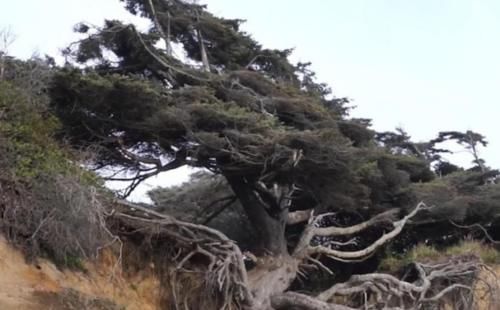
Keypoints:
pixel 42 286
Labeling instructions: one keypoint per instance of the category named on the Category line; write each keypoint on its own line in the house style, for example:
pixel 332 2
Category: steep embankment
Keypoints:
pixel 42 285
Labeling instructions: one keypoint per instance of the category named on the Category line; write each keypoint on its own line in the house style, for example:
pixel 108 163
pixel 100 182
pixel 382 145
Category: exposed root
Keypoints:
pixel 425 286
pixel 432 282
pixel 432 286
pixel 225 272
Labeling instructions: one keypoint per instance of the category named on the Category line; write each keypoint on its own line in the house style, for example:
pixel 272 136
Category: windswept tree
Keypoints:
pixel 470 140
pixel 282 143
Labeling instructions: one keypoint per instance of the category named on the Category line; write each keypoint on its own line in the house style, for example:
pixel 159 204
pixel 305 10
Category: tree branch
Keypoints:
pixel 165 36
pixel 478 226
pixel 163 62
pixel 141 159
pixel 219 210
pixel 305 249
pixel 385 217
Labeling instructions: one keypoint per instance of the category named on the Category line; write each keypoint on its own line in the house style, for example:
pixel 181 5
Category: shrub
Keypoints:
pixel 49 205
pixel 422 253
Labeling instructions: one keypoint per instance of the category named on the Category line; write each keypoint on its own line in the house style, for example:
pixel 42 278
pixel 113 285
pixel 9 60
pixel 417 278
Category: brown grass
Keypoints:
pixel 425 253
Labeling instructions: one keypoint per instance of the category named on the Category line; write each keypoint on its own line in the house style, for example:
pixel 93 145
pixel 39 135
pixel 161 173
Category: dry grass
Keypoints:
pixel 424 253
pixel 56 217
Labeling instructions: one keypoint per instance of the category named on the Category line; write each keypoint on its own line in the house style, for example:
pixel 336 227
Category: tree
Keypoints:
pixel 470 139
pixel 7 37
pixel 399 142
pixel 283 144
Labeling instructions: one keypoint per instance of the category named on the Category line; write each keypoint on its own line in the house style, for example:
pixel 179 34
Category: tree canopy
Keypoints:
pixel 279 146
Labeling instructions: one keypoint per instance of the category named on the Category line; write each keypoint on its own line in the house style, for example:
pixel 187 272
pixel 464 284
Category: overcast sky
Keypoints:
pixel 426 65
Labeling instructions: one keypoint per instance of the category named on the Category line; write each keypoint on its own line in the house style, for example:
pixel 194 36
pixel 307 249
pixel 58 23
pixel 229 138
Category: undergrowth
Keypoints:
pixel 424 253
pixel 49 205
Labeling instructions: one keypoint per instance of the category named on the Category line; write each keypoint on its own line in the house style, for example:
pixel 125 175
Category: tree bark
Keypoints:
pixel 203 52
pixel 272 276
pixel 270 229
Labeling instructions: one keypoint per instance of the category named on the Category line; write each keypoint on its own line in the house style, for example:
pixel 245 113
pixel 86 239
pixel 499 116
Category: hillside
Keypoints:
pixel 42 285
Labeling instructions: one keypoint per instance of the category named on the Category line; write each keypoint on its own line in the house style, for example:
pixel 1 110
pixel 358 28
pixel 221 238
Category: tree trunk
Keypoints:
pixel 272 276
pixel 476 156
pixel 270 229
pixel 203 52
pixel 275 269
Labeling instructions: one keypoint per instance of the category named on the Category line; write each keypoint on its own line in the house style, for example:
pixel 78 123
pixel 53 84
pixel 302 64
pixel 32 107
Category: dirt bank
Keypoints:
pixel 26 286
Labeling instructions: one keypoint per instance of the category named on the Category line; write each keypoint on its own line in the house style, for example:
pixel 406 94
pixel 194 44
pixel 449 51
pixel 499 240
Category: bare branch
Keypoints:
pixel 478 226
pixel 318 263
pixel 398 227
pixel 165 36
pixel 142 174
pixel 164 62
pixel 304 247
pixel 385 217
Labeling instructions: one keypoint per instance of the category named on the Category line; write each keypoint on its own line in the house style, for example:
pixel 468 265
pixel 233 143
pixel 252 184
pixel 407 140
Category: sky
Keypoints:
pixel 426 65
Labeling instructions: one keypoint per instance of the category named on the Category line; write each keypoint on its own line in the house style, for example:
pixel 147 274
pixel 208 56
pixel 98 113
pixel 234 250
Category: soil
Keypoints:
pixel 41 285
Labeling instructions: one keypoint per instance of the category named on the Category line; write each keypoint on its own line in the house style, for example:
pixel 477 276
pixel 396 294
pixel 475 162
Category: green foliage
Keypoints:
pixel 50 205
pixel 29 150
pixel 460 197
pixel 28 133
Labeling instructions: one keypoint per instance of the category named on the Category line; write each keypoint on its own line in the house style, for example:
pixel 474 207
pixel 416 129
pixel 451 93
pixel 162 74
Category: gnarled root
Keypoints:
pixel 427 286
